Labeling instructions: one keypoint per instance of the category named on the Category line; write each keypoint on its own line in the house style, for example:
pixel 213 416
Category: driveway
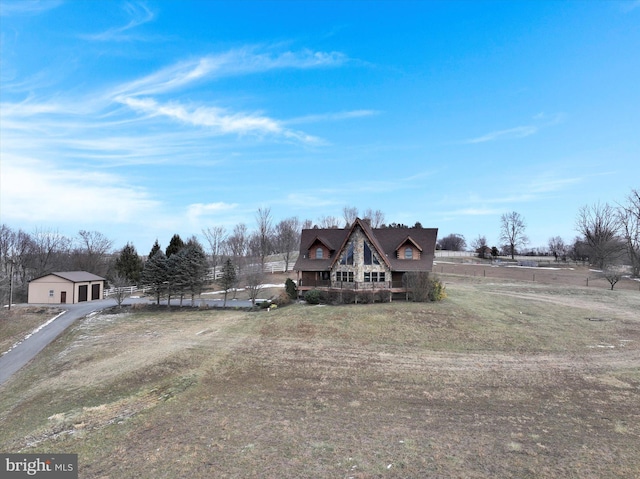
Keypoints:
pixel 28 349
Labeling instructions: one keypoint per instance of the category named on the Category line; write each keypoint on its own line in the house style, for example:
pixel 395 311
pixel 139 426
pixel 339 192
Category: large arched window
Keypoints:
pixel 318 253
pixel 408 253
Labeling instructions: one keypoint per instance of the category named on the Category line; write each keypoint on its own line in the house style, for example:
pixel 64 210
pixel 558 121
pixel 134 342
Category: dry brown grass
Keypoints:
pixel 503 379
pixel 19 321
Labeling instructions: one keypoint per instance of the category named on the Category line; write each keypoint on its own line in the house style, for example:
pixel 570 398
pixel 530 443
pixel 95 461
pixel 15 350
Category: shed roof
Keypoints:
pixel 74 276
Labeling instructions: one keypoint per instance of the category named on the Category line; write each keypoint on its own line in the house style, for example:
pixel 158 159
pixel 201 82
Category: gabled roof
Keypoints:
pixel 410 240
pixel 385 241
pixel 74 276
pixel 322 240
pixel 368 232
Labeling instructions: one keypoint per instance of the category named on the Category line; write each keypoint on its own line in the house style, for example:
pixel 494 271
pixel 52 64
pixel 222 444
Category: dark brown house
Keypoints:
pixel 363 258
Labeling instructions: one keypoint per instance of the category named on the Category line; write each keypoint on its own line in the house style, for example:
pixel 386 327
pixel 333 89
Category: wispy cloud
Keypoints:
pixel 141 94
pixel 218 119
pixel 196 211
pixel 27 7
pixel 343 115
pixel 138 13
pixel 510 133
pixel 541 120
pixel 235 62
pixel 27 181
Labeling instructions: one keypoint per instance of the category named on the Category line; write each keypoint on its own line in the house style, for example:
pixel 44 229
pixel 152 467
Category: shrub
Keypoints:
pixel 283 299
pixel 291 289
pixel 313 296
pixel 436 290
pixel 422 287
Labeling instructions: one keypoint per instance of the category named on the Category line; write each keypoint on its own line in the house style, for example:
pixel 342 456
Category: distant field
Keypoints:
pixel 504 378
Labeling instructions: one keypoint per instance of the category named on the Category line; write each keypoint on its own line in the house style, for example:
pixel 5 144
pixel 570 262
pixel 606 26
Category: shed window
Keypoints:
pixel 408 253
pixel 318 253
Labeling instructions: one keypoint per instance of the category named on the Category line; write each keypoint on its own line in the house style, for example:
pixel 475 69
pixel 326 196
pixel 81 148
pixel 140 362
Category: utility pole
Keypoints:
pixel 10 283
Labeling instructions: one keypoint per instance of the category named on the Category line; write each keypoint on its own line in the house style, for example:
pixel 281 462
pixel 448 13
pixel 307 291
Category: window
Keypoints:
pixel 344 276
pixel 51 293
pixel 367 277
pixel 347 258
pixel 408 253
pixel 369 256
pixel 318 253
pixel 381 277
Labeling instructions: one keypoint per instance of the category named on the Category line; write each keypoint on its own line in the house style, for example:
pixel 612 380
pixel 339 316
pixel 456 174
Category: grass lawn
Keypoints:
pixel 501 379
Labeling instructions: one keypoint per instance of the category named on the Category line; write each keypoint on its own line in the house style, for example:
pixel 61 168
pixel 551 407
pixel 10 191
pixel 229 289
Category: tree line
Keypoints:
pixel 608 237
pixel 186 267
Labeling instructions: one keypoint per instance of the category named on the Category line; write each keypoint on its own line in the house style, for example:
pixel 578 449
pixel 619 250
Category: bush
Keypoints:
pixel 422 287
pixel 283 299
pixel 436 290
pixel 291 289
pixel 313 296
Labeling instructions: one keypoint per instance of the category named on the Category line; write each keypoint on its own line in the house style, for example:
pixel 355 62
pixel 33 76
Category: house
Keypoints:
pixel 66 287
pixel 363 258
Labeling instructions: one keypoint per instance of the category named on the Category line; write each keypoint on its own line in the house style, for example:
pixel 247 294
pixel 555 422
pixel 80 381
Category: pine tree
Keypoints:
pixel 155 274
pixel 197 268
pixel 175 245
pixel 228 278
pixel 129 265
pixel 154 249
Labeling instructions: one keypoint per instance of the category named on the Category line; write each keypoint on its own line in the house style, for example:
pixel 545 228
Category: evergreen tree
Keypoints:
pixel 154 249
pixel 178 275
pixel 129 265
pixel 197 268
pixel 155 274
pixel 228 278
pixel 175 245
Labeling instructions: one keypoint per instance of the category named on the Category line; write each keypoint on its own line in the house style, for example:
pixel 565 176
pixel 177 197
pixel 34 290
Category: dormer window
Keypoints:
pixel 408 253
pixel 319 253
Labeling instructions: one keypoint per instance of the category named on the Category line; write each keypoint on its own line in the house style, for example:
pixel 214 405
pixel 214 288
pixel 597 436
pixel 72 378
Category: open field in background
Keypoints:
pixel 504 378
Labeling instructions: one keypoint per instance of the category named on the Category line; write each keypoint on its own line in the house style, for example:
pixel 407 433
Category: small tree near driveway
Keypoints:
pixel 228 279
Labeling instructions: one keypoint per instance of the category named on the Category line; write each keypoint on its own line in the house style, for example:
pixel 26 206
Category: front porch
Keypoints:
pixel 328 285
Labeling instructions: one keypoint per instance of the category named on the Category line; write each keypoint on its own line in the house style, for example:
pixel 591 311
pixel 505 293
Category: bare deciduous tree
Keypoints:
pixel 328 222
pixel 453 242
pixel 481 246
pixel 349 213
pixel 264 232
pixel 376 218
pixel 254 282
pixel 287 238
pixel 512 228
pixel 49 250
pixel 599 225
pixel 92 253
pixel 557 247
pixel 120 288
pixel 629 220
pixel 237 244
pixel 216 236
pixel 613 274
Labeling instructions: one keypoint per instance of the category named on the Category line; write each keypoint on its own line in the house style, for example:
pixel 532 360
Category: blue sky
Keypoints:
pixel 145 119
